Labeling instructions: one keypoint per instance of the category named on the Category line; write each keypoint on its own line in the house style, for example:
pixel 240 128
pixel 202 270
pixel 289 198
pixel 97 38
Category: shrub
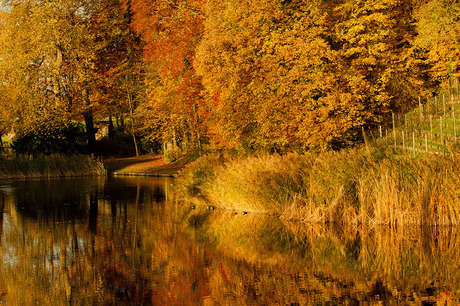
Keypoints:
pixel 195 175
pixel 119 144
pixel 65 137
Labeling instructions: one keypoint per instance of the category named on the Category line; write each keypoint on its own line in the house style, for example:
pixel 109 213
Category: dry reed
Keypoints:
pixel 356 186
pixel 49 166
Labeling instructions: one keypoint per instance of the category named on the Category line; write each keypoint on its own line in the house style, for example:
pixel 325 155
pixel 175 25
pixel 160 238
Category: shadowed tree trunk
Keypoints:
pixel 88 115
pixel 56 75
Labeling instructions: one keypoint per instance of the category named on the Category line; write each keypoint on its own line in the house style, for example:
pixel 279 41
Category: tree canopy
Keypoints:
pixel 245 75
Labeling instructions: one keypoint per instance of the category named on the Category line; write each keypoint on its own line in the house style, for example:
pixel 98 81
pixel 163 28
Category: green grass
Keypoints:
pixel 49 166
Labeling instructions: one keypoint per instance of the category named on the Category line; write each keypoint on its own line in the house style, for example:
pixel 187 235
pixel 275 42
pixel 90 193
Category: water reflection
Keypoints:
pixel 267 261
pixel 76 241
pixel 124 241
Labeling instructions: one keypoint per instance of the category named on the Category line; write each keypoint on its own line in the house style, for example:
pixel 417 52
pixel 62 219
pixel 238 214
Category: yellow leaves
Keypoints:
pixel 438 26
pixel 355 30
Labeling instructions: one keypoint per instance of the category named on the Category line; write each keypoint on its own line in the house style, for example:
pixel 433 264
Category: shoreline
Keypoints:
pixel 116 174
pixel 54 167
pixel 50 166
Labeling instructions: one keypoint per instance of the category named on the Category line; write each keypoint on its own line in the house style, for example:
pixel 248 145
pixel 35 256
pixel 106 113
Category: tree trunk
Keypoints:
pixel 111 127
pixel 88 115
pixel 56 73
pixel 197 128
pixel 173 130
pixel 131 110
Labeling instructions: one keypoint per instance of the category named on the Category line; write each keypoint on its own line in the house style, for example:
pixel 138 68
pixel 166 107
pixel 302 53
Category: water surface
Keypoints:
pixel 126 241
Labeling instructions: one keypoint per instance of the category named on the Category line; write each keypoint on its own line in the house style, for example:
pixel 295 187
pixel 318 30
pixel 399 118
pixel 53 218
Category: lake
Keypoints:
pixel 127 241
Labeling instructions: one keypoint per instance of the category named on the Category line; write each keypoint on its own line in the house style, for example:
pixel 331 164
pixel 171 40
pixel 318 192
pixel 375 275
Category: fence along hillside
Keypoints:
pixel 431 128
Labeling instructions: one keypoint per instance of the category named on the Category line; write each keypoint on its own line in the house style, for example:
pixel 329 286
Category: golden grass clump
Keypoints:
pixel 47 166
pixel 196 175
pixel 356 186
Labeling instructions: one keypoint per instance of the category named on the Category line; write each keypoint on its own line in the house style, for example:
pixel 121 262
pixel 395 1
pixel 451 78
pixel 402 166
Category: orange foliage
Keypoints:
pixel 170 31
pixel 299 75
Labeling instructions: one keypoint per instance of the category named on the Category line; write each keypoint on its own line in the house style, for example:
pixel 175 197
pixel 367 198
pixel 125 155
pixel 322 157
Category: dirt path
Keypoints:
pixel 143 165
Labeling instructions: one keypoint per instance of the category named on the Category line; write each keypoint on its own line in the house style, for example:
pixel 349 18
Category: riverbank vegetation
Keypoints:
pixel 253 77
pixel 357 186
pixel 44 166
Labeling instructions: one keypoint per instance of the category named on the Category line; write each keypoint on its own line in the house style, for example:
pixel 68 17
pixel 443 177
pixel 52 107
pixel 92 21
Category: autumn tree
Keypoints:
pixel 438 25
pixel 252 57
pixel 170 32
pixel 118 63
pixel 23 68
pixel 47 59
pixel 79 58
pixel 302 75
pixel 268 68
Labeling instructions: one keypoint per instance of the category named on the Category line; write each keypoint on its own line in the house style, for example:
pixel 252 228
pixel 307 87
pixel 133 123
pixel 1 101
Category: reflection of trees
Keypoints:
pixel 128 247
pixel 91 256
pixel 54 200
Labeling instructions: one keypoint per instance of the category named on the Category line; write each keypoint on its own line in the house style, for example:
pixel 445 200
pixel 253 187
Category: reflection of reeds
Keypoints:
pixel 49 166
pixel 404 254
pixel 356 186
pixel 329 263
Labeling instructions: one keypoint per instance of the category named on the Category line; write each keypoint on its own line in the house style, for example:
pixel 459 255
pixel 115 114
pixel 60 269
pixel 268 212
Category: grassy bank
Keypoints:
pixel 49 166
pixel 367 186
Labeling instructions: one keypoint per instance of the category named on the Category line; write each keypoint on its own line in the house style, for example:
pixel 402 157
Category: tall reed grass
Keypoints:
pixel 362 185
pixel 49 166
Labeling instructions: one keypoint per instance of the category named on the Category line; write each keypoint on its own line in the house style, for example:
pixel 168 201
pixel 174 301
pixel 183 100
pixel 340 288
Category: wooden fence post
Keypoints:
pixel 444 104
pixel 420 108
pixel 442 136
pixel 403 141
pixel 453 118
pixel 394 129
pixel 431 126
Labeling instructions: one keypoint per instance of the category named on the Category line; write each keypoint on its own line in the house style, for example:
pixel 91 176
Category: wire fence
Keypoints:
pixel 431 128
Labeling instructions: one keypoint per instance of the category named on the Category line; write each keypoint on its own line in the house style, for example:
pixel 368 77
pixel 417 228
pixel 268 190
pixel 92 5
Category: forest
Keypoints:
pixel 189 76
